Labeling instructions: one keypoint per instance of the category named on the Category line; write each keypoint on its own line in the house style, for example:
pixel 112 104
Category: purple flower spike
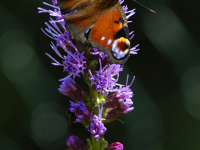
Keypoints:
pixel 81 111
pixel 75 143
pixel 115 146
pixel 98 72
pixel 71 89
pixel 96 127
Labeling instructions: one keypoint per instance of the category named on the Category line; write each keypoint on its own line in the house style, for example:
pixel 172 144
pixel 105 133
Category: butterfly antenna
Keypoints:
pixel 145 7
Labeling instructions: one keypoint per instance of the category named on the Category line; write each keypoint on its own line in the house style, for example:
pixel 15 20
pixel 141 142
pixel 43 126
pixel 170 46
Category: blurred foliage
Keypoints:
pixel 167 69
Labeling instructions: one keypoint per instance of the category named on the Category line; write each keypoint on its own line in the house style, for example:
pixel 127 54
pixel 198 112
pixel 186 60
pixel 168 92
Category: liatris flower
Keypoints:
pixel 76 143
pixel 73 90
pixel 82 112
pixel 115 146
pixel 119 102
pixel 96 127
pixel 103 80
pixel 101 77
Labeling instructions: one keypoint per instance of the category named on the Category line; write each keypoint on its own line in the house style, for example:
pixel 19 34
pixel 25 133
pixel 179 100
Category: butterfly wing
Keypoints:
pixel 101 24
pixel 110 34
pixel 82 15
pixel 67 6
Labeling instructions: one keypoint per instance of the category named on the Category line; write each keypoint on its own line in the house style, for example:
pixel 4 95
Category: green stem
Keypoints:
pixel 101 144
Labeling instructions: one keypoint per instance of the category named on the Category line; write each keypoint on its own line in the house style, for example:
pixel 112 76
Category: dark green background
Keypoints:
pixel 167 85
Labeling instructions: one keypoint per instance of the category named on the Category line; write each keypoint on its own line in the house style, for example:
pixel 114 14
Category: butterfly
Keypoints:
pixel 100 24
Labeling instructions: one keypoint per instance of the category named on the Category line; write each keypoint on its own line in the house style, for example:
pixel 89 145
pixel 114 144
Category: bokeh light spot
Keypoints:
pixel 16 56
pixel 47 125
pixel 190 89
pixel 15 52
pixel 150 132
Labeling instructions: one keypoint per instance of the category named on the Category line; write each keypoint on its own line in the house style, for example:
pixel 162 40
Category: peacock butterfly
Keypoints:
pixel 98 23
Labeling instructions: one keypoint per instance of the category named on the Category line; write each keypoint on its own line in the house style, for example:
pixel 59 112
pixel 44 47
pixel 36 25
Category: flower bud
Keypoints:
pixel 115 146
pixel 71 89
pixel 75 143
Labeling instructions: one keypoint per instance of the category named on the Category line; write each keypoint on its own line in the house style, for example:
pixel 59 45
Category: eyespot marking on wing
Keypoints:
pixel 103 38
pixel 109 42
pixel 120 48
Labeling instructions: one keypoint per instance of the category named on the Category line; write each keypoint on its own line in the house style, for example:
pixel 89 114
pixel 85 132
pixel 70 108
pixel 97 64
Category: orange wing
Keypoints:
pixel 110 34
pixel 87 13
pixel 99 23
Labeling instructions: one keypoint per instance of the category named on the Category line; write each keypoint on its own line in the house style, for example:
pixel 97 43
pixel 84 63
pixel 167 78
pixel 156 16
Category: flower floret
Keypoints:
pixel 81 111
pixel 103 80
pixel 96 127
